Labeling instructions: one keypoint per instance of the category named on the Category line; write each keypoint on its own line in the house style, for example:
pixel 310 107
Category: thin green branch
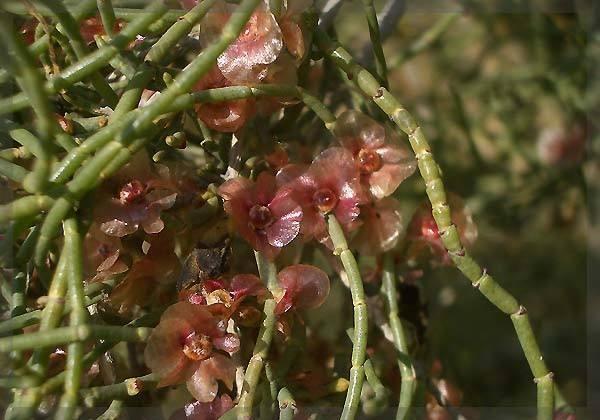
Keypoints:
pixel 361 320
pixel 268 274
pixel 65 335
pixel 107 14
pixel 12 171
pixel 434 187
pixel 407 370
pixel 78 317
pixel 128 388
pixel 376 41
pixel 287 404
pixel 25 207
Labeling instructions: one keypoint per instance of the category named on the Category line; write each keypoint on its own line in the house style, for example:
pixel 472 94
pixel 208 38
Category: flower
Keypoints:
pixel 305 287
pixel 150 276
pixel 383 164
pixel 290 22
pixel 204 411
pixel 225 116
pixel 381 226
pixel 423 231
pixel 190 344
pixel 267 219
pixel 102 255
pixel 141 195
pixel 246 59
pixel 330 185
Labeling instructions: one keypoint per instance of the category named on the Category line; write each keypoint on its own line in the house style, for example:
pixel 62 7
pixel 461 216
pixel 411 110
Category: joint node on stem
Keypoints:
pixel 522 311
pixel 380 93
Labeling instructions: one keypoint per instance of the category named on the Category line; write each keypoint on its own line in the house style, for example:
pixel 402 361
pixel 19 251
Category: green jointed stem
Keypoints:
pixel 376 42
pixel 128 388
pixel 407 370
pixel 64 335
pixel 268 274
pixel 361 321
pixel 429 170
pixel 12 171
pixel 79 315
pixel 181 28
pixel 70 28
pixel 107 14
pixel 25 207
pixel 287 404
pixel 89 64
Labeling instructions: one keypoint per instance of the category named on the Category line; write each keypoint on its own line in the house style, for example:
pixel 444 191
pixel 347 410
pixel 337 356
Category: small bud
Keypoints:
pixel 177 140
pixel 66 124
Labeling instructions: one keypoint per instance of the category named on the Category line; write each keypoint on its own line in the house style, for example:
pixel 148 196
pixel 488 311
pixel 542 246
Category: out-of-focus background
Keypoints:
pixel 505 95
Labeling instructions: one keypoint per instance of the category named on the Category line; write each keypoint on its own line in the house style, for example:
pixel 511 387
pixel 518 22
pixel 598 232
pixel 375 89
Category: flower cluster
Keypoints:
pixel 352 181
pixel 268 50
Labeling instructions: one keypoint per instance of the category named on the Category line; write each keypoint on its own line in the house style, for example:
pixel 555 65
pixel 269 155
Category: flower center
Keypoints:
pixel 197 346
pixel 325 200
pixel 369 161
pixel 260 217
pixel 131 192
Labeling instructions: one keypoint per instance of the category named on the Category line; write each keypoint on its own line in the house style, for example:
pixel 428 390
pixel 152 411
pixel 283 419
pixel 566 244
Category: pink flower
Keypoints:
pixel 330 185
pixel 424 235
pixel 102 255
pixel 290 22
pixel 226 116
pixel 245 61
pixel 383 165
pixel 138 197
pixel 305 287
pixel 190 344
pixel 204 411
pixel 267 219
pixel 381 226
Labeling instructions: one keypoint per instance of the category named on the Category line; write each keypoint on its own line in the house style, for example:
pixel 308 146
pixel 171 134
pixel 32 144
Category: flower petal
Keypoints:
pixel 203 383
pixel 355 130
pixel 307 285
pixel 118 228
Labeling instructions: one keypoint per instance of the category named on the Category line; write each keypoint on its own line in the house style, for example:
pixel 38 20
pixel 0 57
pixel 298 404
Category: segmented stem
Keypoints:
pixel 407 370
pixel 268 274
pixel 376 42
pixel 361 320
pixel 430 173
pixel 107 14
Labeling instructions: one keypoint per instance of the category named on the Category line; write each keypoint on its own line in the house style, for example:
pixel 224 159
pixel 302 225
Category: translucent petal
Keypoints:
pixel 308 286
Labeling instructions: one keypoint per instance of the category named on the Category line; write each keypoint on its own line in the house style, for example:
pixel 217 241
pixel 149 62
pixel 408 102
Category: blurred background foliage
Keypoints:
pixel 500 78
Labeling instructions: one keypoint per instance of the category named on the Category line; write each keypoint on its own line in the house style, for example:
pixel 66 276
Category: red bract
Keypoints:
pixel 267 219
pixel 139 197
pixel 226 116
pixel 383 164
pixel 245 61
pixel 185 346
pixel 149 276
pixel 102 255
pixel 290 23
pixel 204 411
pixel 330 185
pixel 381 225
pixel 305 287
pixel 423 232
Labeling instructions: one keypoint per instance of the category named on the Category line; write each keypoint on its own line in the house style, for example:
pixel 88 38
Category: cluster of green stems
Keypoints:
pixel 56 188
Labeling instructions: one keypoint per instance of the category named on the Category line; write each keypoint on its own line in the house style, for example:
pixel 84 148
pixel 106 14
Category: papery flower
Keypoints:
pixel 381 226
pixel 102 255
pixel 304 286
pixel 190 345
pixel 423 231
pixel 290 22
pixel 149 277
pixel 246 59
pixel 204 411
pixel 140 197
pixel 268 219
pixel 225 116
pixel 330 185
pixel 382 162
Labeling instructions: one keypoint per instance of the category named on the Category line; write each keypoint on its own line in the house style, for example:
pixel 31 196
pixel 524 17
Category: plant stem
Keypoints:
pixel 12 171
pixel 268 274
pixel 64 335
pixel 107 14
pixel 407 370
pixel 434 186
pixel 376 42
pixel 361 320
pixel 79 315
pixel 25 207
pixel 128 388
pixel 287 404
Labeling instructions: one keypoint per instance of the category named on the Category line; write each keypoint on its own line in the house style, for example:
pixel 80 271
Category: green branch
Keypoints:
pixel 361 320
pixel 376 41
pixel 434 186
